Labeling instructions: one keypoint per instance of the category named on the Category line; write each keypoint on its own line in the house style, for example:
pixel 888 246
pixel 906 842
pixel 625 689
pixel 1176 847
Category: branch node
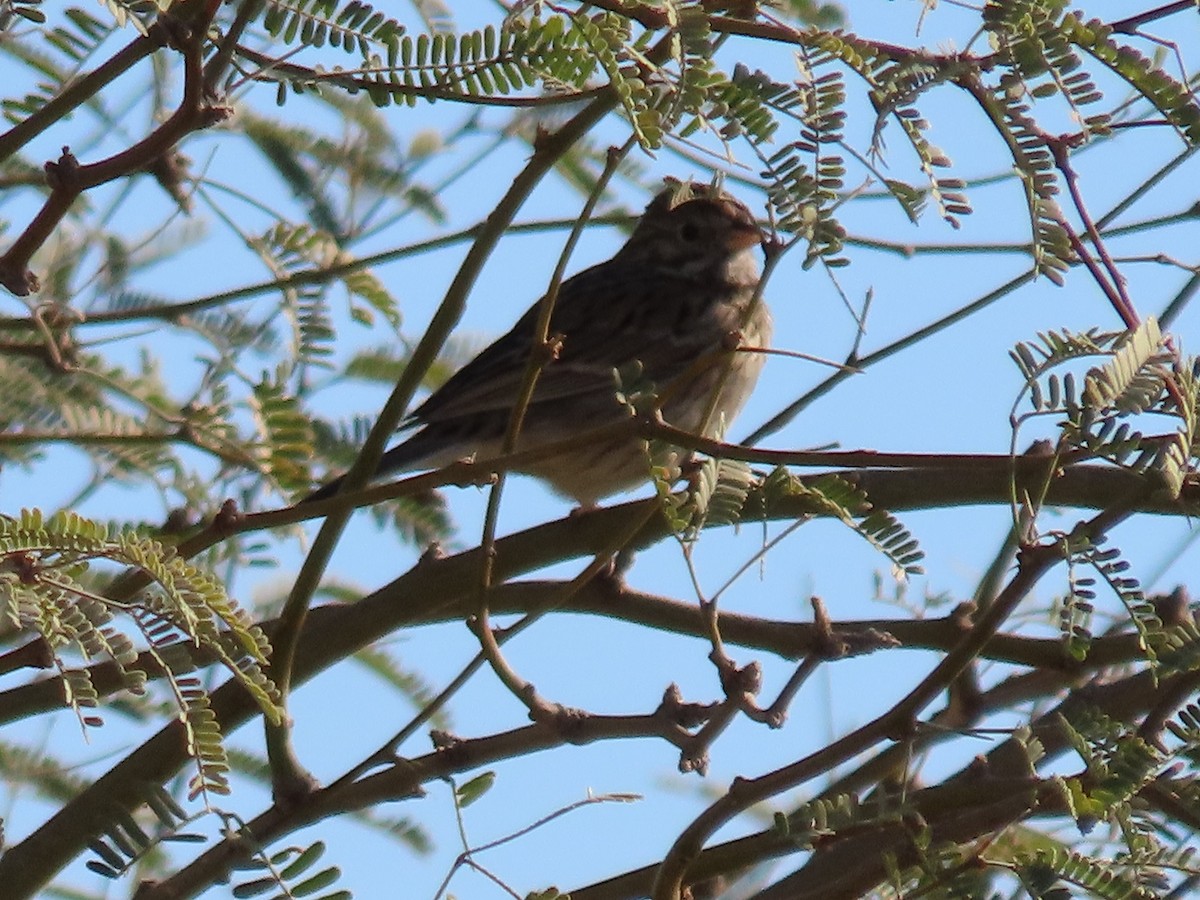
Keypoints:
pixel 63 173
pixel 962 616
pixel 228 518
pixel 677 712
pixel 567 721
pixel 18 280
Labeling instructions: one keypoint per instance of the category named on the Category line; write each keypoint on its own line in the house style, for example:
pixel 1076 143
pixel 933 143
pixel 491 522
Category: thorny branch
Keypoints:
pixel 184 29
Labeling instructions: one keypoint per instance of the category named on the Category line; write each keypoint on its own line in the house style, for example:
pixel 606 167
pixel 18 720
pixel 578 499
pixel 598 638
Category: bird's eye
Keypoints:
pixel 689 232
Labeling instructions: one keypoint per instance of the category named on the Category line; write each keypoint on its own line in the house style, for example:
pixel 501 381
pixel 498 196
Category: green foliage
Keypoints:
pixel 43 774
pixel 286 436
pixel 603 35
pixel 745 101
pixel 724 492
pixel 1141 379
pixel 1038 40
pixel 43 589
pixel 817 820
pixel 421 520
pixel 1186 728
pixel 71 43
pixel 11 10
pixel 356 28
pixel 1035 164
pixel 805 194
pixel 1075 615
pixel 1119 764
pixel 1169 97
pixel 1039 872
pixel 491 62
pixel 895 83
pixel 290 870
pixel 125 841
pixel 466 794
pixel 716 495
pixel 1114 570
pixel 301 249
pixel 76 404
pixel 255 400
pixel 835 497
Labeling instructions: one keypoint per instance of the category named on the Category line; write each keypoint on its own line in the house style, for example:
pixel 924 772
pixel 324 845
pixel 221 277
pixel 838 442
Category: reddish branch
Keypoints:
pixel 185 30
pixel 898 723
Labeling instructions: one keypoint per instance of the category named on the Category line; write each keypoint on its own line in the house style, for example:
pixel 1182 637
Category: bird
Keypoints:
pixel 682 290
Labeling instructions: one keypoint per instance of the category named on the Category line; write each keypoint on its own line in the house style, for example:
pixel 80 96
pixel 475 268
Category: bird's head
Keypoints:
pixel 693 227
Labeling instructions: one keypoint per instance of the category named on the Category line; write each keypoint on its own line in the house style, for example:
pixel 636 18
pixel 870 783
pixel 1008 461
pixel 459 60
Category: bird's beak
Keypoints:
pixel 744 236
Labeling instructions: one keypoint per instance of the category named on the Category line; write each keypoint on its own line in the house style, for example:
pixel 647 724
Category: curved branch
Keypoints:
pixel 68 179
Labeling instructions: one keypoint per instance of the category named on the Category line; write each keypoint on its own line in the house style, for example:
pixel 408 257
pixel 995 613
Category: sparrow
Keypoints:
pixel 675 301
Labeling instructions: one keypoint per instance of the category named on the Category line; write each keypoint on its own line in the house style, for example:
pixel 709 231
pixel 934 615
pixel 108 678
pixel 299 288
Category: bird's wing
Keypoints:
pixel 609 315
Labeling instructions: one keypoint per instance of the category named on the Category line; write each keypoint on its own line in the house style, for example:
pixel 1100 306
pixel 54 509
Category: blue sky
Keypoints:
pixel 952 393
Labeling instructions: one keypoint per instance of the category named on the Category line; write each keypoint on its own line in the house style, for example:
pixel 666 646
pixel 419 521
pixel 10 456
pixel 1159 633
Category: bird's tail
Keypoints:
pixel 404 456
pixel 325 491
